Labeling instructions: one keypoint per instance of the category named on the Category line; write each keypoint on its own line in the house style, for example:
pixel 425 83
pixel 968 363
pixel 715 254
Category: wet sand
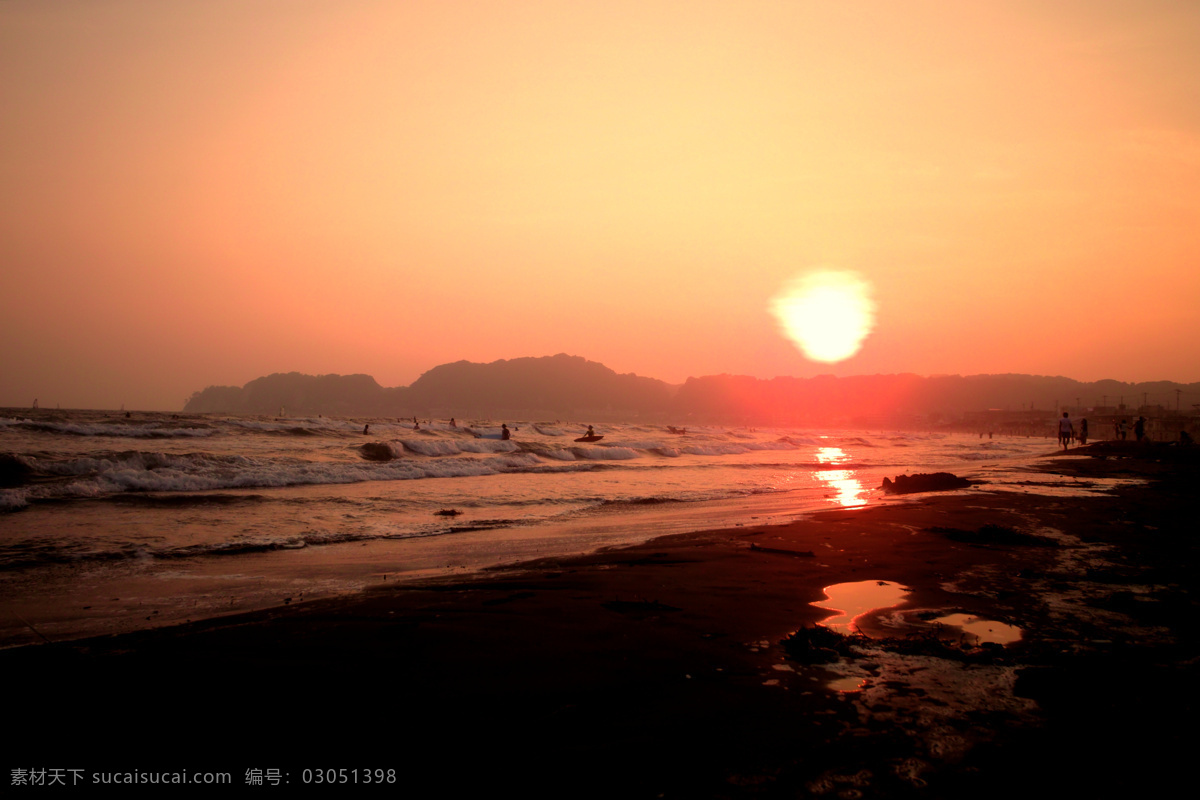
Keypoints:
pixel 665 669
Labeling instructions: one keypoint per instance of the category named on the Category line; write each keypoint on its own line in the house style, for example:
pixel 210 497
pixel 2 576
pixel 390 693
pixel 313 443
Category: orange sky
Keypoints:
pixel 206 191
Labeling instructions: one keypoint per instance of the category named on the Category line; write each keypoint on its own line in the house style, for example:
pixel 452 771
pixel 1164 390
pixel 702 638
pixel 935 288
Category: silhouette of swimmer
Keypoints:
pixel 590 431
pixel 452 424
pixel 504 432
pixel 366 428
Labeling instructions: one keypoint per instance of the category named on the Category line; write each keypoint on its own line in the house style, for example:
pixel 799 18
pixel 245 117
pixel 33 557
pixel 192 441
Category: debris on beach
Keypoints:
pixel 816 645
pixel 994 535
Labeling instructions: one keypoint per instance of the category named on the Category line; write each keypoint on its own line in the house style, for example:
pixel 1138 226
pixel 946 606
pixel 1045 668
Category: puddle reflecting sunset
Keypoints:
pixel 854 600
pixel 983 630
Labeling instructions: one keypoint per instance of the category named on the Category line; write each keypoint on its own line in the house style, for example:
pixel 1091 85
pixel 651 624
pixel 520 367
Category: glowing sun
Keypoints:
pixel 827 314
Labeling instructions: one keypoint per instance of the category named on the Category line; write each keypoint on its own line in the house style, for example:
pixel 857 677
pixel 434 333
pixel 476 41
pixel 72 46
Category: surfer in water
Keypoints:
pixel 590 432
pixel 504 431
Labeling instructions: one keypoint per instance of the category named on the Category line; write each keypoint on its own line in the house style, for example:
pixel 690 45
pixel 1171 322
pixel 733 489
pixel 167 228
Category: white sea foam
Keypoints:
pixel 488 446
pixel 558 453
pixel 13 499
pixel 714 449
pixel 635 444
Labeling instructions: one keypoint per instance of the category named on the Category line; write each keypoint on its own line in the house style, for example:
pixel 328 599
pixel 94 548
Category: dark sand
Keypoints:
pixel 658 670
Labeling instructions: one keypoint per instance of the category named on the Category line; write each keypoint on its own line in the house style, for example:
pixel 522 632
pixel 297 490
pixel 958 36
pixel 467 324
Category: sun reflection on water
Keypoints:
pixel 850 492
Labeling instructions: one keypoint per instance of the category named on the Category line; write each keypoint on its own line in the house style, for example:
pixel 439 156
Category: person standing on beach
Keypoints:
pixel 1065 430
pixel 1139 428
pixel 1083 431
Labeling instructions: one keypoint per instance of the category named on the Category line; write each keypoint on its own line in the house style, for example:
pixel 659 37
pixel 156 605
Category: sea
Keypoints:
pixel 113 521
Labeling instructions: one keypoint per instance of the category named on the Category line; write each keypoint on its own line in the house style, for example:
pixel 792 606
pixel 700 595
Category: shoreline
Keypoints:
pixel 658 669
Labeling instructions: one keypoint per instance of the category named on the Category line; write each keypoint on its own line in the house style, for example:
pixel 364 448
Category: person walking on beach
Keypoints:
pixel 1065 430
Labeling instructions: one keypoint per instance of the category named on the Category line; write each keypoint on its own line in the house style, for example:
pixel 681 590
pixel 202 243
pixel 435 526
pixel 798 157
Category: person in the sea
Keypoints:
pixel 366 428
pixel 452 423
pixel 1065 430
pixel 504 432
pixel 1083 431
pixel 590 432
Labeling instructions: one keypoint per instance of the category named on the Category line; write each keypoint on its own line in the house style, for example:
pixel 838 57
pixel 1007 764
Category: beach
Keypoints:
pixel 670 668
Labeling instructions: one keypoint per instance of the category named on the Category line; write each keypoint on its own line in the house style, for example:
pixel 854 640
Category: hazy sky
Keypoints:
pixel 202 192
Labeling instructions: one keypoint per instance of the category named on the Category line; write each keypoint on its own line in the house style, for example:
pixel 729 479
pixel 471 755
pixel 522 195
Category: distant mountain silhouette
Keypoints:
pixel 553 386
pixel 571 387
pixel 297 394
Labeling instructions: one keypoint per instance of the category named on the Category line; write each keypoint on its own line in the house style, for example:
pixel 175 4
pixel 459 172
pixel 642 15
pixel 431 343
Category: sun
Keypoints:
pixel 827 313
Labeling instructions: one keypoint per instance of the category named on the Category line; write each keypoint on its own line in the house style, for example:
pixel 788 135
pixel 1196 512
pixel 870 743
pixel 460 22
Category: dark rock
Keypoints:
pixel 377 451
pixel 14 470
pixel 924 482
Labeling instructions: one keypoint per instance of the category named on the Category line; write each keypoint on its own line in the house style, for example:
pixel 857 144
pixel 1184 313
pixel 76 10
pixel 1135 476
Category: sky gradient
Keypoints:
pixel 206 191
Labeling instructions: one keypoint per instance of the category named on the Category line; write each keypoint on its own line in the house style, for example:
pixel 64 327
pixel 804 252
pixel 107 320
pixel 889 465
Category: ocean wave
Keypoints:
pixel 13 499
pixel 488 446
pixel 776 445
pixel 555 453
pixel 635 444
pixel 605 453
pixel 799 441
pixel 122 430
pixel 158 472
pixel 432 447
pixel 714 449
